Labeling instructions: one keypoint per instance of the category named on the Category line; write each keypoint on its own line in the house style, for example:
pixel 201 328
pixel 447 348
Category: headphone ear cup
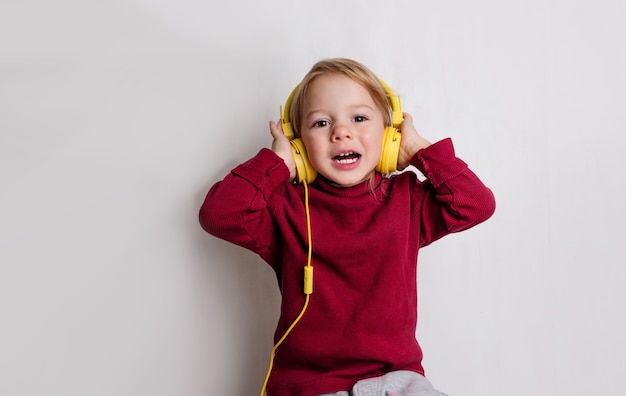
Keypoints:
pixel 388 161
pixel 305 173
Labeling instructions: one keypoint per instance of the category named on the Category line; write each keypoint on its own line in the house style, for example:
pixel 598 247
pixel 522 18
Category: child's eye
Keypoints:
pixel 321 123
pixel 360 118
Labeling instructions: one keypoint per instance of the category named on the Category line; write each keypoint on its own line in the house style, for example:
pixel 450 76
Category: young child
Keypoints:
pixel 355 333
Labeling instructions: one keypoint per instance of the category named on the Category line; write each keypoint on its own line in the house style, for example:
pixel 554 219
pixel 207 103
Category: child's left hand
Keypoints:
pixel 410 143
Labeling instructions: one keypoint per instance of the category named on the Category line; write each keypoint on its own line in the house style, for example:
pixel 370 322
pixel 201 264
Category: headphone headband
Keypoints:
pixel 396 105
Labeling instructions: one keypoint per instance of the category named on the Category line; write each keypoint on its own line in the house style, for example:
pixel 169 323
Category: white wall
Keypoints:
pixel 116 117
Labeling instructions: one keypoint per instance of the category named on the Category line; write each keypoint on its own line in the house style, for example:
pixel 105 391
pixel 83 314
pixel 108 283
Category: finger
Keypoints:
pixel 273 128
pixel 276 130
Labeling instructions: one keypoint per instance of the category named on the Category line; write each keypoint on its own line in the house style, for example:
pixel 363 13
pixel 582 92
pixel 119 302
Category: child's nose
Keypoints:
pixel 341 131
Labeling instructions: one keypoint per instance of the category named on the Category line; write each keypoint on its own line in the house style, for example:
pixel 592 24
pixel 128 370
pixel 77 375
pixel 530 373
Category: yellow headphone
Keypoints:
pixel 388 161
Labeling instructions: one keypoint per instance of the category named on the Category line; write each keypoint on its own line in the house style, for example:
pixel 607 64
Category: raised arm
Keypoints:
pixel 455 199
pixel 236 208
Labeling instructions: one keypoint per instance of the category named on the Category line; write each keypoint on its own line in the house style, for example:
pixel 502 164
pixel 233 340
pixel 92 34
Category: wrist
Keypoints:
pixel 409 149
pixel 419 144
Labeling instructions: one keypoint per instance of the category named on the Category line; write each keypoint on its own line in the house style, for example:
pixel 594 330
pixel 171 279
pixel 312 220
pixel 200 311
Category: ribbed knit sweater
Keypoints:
pixel 362 315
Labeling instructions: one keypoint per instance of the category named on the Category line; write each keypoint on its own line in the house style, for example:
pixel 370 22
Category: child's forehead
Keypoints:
pixel 330 78
pixel 334 84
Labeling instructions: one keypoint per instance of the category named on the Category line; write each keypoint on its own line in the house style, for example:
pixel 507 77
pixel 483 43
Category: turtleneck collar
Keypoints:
pixel 364 188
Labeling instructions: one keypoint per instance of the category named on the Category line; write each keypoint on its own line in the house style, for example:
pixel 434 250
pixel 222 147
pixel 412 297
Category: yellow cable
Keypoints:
pixel 308 288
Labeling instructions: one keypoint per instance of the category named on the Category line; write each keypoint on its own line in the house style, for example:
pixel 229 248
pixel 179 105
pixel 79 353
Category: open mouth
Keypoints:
pixel 347 158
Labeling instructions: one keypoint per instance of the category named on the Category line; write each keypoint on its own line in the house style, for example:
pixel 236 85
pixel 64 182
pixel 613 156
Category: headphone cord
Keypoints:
pixel 308 288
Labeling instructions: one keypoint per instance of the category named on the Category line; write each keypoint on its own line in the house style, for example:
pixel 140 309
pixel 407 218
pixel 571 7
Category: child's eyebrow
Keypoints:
pixel 362 106
pixel 351 108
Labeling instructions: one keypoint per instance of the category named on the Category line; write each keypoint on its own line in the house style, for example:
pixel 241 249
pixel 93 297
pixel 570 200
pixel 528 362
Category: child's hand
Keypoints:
pixel 282 147
pixel 411 141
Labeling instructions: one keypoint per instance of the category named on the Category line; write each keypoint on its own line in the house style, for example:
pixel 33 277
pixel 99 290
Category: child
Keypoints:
pixel 355 334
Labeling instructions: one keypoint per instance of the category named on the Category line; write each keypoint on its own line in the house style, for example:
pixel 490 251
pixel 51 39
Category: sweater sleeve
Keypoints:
pixel 455 198
pixel 236 208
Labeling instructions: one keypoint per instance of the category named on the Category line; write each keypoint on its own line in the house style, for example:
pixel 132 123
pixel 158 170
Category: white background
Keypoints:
pixel 116 117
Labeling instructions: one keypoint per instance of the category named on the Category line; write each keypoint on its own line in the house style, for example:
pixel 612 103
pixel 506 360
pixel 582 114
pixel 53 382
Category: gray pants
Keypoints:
pixel 395 383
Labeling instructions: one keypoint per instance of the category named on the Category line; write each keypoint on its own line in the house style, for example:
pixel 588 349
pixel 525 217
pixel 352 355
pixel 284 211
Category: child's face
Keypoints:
pixel 342 129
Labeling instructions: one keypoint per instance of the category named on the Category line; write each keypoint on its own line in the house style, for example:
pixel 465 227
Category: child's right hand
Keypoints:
pixel 282 147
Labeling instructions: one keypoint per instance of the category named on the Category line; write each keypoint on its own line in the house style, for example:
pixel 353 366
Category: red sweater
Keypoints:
pixel 362 315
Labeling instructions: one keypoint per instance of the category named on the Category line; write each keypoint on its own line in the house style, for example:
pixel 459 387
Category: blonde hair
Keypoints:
pixel 349 68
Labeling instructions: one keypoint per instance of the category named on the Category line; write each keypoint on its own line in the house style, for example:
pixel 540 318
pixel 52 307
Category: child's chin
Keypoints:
pixel 347 182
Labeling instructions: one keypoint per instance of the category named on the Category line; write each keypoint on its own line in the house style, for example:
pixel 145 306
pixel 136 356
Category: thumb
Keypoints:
pixel 407 117
pixel 276 129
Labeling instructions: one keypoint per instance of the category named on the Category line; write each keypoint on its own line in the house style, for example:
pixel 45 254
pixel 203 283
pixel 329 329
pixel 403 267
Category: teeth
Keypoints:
pixel 347 158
